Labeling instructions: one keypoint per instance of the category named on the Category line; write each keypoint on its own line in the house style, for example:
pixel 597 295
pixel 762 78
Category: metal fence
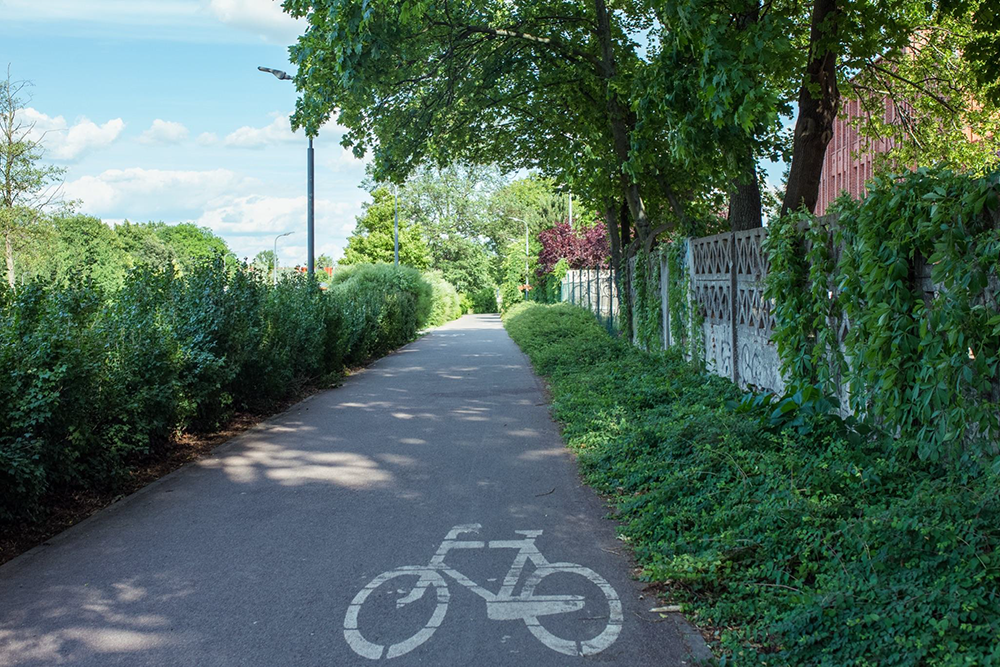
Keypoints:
pixel 596 290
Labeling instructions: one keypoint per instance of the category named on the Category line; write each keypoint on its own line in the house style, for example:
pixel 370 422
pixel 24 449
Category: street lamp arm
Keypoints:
pixel 274 258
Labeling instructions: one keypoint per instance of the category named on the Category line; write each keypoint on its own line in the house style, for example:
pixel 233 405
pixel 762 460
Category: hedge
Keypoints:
pixel 91 381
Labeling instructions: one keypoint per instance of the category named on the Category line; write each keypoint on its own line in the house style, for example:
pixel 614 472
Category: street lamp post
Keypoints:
pixel 310 199
pixel 275 258
pixel 395 223
pixel 310 213
pixel 526 281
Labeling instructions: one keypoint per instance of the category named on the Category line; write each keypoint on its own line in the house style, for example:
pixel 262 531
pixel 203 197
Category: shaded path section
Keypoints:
pixel 255 555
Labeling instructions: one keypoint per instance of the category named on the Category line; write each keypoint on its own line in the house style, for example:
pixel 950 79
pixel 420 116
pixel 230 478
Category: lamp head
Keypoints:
pixel 278 74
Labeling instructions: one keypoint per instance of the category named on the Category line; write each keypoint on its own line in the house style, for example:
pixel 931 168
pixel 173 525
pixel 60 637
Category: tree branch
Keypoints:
pixel 550 42
pixel 940 100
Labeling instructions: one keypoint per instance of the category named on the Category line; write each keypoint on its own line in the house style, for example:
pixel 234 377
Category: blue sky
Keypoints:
pixel 157 112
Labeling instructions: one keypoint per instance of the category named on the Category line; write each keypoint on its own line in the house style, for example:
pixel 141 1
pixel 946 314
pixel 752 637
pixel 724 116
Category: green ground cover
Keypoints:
pixel 798 539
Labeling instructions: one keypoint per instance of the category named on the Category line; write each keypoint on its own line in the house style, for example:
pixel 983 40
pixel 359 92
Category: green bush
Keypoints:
pixel 446 304
pixel 382 307
pixel 465 304
pixel 802 546
pixel 50 359
pixel 484 300
pixel 91 380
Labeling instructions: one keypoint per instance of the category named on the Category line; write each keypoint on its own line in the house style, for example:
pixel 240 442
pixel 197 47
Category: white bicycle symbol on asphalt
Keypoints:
pixel 500 606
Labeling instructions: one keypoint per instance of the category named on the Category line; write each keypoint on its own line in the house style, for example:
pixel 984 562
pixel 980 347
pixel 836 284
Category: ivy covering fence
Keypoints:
pixel 833 497
pixel 92 380
pixel 894 306
pixel 888 308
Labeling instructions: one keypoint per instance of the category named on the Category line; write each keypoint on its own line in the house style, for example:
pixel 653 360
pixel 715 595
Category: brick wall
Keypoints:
pixel 848 162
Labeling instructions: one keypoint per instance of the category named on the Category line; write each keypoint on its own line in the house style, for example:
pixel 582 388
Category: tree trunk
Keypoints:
pixel 675 203
pixel 9 254
pixel 817 112
pixel 744 199
pixel 611 220
pixel 625 220
pixel 744 202
pixel 620 123
pixel 625 304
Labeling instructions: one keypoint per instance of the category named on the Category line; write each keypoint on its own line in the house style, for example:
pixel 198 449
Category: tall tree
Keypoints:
pixel 264 263
pixel 927 104
pixel 26 185
pixel 450 205
pixel 373 238
pixel 143 245
pixel 847 39
pixel 192 244
pixel 87 248
pixel 728 74
pixel 819 101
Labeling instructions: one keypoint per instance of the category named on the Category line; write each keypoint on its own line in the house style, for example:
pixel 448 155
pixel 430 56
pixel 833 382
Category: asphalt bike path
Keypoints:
pixel 424 513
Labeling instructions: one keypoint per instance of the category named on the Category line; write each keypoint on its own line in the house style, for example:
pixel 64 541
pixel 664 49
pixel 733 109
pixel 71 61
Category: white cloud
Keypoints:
pixel 263 18
pixel 343 160
pixel 63 141
pixel 278 131
pixel 334 250
pixel 143 194
pixel 208 139
pixel 164 132
pixel 222 200
pixel 171 19
pixel 257 214
pixel 117 11
pixel 250 223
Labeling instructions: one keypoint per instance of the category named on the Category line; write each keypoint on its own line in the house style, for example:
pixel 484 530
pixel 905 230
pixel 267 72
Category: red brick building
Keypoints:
pixel 849 156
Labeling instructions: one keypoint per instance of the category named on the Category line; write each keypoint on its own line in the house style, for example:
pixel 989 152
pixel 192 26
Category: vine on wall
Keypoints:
pixel 923 362
pixel 801 285
pixel 649 305
pixel 685 322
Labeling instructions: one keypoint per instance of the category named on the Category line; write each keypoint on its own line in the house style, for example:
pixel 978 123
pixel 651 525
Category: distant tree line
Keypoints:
pixel 470 224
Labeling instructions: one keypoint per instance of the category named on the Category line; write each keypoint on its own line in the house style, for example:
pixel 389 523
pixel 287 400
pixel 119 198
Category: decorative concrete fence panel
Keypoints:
pixel 758 364
pixel 712 286
pixel 726 285
pixel 726 274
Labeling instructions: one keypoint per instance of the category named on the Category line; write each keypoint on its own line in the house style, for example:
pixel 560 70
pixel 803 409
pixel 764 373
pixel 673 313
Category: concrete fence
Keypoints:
pixel 726 283
pixel 726 274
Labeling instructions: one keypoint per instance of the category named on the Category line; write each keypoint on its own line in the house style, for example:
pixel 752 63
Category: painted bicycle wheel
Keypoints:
pixel 388 586
pixel 611 613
